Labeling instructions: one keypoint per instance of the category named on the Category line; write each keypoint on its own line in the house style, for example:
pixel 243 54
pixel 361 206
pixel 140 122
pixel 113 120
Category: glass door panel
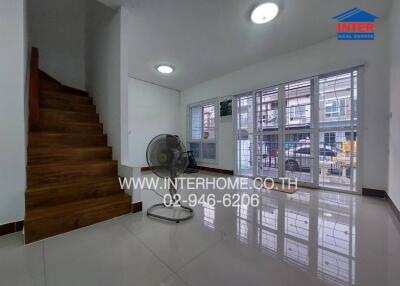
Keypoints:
pixel 244 135
pixel 298 153
pixel 267 156
pixel 299 157
pixel 338 131
pixel 298 105
pixel 267 109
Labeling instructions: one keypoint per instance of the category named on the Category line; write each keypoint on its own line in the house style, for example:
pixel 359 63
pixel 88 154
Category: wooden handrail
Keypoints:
pixel 34 87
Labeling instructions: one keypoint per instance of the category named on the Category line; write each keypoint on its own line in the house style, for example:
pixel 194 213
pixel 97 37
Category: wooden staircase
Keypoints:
pixel 72 179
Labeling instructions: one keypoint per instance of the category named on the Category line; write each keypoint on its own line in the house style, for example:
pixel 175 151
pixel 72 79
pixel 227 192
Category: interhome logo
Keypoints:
pixel 355 24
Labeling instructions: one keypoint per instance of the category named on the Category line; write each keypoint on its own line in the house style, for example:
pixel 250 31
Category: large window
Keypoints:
pixel 202 133
pixel 304 130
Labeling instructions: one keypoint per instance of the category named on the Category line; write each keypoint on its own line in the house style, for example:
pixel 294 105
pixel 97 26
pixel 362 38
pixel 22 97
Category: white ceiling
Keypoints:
pixel 204 39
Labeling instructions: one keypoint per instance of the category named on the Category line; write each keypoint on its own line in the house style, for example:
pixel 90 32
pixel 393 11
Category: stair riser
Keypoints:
pixel 67 140
pixel 61 174
pixel 56 196
pixel 43 228
pixel 57 116
pixel 64 97
pixel 67 106
pixel 67 127
pixel 38 156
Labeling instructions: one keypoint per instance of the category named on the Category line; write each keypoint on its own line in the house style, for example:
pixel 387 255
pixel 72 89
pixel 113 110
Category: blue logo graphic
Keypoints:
pixel 355 24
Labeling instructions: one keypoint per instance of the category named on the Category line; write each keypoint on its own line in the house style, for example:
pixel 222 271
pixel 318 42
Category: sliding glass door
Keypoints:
pixel 304 130
pixel 338 130
pixel 267 128
pixel 298 130
pixel 244 135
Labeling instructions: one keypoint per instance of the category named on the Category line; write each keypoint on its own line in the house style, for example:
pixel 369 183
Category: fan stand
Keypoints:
pixel 172 192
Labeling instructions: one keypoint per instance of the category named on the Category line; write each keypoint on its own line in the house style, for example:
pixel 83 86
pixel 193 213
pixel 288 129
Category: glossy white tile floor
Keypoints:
pixel 308 238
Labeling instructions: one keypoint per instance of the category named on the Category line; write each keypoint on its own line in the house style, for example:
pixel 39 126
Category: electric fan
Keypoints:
pixel 167 158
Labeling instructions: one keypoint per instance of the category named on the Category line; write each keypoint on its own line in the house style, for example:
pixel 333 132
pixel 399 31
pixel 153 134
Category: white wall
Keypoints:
pixel 394 134
pixel 323 57
pixel 57 28
pixel 12 114
pixel 152 110
pixel 104 68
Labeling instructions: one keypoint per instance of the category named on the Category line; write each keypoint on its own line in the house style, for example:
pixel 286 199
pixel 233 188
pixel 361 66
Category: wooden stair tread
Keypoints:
pixel 43 139
pixel 76 207
pixel 70 112
pixel 62 126
pixel 65 96
pixel 67 106
pixel 48 221
pixel 56 115
pixel 64 149
pixel 61 150
pixel 105 180
pixel 53 174
pixel 62 193
pixel 80 124
pixel 49 155
pixel 44 133
pixel 73 164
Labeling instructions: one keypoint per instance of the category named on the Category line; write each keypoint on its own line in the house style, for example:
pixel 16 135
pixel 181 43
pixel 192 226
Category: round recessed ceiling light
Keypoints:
pixel 264 13
pixel 166 69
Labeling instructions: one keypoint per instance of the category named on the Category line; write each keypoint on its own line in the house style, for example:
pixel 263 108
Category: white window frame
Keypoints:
pixel 202 140
pixel 335 110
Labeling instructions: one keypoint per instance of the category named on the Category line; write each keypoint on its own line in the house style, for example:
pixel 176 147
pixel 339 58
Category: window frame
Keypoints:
pixel 203 140
pixel 337 106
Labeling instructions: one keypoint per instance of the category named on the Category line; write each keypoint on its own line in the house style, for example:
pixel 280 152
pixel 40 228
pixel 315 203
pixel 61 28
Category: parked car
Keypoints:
pixel 299 158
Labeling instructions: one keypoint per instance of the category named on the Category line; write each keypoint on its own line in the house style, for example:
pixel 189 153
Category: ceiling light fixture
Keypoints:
pixel 264 13
pixel 165 69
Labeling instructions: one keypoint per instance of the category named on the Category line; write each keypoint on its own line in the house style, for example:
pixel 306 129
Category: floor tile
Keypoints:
pixel 21 264
pixel 124 261
pixel 177 244
pixel 311 237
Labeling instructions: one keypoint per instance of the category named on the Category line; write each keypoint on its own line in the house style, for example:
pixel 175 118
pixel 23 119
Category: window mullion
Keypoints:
pixel 315 128
pixel 281 130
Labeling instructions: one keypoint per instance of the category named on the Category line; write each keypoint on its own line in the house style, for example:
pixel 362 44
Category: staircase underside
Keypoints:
pixel 72 179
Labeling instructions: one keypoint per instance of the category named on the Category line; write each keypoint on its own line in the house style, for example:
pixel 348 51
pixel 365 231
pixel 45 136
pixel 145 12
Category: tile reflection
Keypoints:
pixel 296 252
pixel 209 216
pixel 268 240
pixel 313 232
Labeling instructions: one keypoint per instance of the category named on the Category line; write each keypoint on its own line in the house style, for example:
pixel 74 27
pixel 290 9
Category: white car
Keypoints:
pixel 299 158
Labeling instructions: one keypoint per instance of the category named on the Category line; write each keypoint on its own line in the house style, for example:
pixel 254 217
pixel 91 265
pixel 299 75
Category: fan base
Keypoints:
pixel 177 220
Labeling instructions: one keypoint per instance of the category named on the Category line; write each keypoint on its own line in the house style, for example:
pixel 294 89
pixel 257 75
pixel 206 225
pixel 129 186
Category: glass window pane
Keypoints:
pixel 244 107
pixel 209 151
pixel 298 104
pixel 196 122
pixel 195 148
pixel 244 151
pixel 209 121
pixel 267 109
pixel 299 156
pixel 267 156
pixel 335 159
pixel 335 101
